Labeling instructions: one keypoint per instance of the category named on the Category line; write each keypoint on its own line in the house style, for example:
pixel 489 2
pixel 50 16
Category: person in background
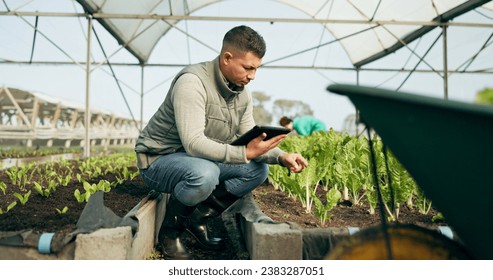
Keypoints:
pixel 185 149
pixel 304 125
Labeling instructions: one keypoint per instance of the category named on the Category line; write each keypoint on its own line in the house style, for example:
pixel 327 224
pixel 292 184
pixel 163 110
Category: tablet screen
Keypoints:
pixel 271 131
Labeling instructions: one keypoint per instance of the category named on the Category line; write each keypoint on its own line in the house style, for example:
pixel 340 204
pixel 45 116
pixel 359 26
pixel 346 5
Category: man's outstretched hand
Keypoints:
pixel 294 162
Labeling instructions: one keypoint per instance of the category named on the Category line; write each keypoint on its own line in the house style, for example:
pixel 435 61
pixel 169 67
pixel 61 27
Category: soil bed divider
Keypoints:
pixel 102 244
pixel 11 162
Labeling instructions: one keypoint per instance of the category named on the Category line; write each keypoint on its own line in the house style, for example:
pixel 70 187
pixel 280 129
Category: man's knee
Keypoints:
pixel 198 185
pixel 265 170
pixel 208 177
pixel 262 171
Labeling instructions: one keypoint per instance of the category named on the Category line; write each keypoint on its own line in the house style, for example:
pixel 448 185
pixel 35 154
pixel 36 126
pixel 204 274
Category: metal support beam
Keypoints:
pixel 488 71
pixel 141 97
pixel 34 37
pixel 19 111
pixel 243 19
pixel 357 117
pixel 87 142
pixel 445 63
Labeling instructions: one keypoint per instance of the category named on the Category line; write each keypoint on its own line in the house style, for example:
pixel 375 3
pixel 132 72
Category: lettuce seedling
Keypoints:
pixel 23 198
pixel 63 211
pixel 3 187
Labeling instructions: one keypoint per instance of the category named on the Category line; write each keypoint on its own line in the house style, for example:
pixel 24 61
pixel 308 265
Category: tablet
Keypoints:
pixel 271 131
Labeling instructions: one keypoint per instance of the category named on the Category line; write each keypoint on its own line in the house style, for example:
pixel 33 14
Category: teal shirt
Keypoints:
pixel 306 125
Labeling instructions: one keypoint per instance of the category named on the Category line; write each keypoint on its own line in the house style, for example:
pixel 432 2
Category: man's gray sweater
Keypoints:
pixel 202 116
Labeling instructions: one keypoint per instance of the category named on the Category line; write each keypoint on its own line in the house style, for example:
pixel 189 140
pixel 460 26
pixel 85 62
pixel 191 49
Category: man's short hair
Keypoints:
pixel 244 39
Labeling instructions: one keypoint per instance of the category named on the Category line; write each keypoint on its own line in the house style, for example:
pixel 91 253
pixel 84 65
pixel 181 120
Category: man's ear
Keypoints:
pixel 227 56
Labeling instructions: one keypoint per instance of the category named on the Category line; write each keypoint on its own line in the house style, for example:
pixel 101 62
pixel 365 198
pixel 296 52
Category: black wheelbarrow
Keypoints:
pixel 447 146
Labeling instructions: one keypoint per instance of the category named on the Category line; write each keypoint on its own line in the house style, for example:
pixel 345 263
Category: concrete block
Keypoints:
pixel 268 241
pixel 160 211
pixel 104 244
pixel 142 244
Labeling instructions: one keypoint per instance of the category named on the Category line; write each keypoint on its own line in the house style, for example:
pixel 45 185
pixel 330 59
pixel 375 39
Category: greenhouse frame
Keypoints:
pixel 367 30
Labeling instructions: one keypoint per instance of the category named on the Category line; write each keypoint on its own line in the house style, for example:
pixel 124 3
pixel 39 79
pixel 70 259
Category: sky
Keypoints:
pixel 283 39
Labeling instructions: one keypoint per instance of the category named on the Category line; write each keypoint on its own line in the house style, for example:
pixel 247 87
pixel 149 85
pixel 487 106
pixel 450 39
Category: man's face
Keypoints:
pixel 240 68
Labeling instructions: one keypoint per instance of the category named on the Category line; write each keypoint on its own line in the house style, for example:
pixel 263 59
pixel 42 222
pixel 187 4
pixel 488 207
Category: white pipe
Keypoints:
pixel 445 63
pixel 87 142
pixel 247 19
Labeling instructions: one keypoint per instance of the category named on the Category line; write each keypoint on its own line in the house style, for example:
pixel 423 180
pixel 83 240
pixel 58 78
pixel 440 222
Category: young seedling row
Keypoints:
pixel 44 179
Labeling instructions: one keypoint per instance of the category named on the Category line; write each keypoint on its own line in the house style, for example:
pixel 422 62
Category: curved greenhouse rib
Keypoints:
pixel 125 29
pixel 368 13
pixel 447 16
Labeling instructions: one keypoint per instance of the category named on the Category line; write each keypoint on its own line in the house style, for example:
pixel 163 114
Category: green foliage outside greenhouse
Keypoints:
pixel 485 96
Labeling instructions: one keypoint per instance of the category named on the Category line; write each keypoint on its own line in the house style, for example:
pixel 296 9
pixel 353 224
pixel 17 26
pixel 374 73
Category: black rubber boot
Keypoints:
pixel 197 226
pixel 220 199
pixel 173 226
pixel 213 206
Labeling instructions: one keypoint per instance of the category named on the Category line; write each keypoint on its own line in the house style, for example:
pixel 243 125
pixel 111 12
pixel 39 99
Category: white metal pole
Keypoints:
pixel 87 140
pixel 142 98
pixel 357 117
pixel 445 63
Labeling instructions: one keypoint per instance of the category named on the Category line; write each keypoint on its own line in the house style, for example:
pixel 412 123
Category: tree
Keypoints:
pixel 485 96
pixel 291 108
pixel 259 97
pixel 260 114
pixel 281 107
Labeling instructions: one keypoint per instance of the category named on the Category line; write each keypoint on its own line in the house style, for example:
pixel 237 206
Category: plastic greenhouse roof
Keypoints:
pixel 374 28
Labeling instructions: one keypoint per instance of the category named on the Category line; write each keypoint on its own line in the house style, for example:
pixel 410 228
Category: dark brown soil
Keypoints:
pixel 40 214
pixel 281 208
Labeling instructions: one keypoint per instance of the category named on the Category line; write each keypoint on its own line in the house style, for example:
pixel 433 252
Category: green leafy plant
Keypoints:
pixel 64 181
pixel 322 210
pixel 11 206
pixel 23 198
pixel 90 189
pixel 79 196
pixel 3 187
pixel 485 96
pixel 438 217
pixel 423 203
pixel 341 164
pixel 103 185
pixel 79 178
pixel 39 189
pixel 13 174
pixel 275 176
pixel 63 211
pixel 45 191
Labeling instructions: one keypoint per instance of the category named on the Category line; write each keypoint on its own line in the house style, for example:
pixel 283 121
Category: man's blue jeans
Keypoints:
pixel 192 179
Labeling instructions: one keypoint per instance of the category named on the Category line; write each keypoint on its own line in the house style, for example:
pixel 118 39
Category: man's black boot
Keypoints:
pixel 220 199
pixel 173 226
pixel 197 226
pixel 213 206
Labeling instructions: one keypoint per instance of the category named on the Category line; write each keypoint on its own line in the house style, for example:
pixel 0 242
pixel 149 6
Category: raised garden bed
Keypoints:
pixel 40 215
pixel 56 212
